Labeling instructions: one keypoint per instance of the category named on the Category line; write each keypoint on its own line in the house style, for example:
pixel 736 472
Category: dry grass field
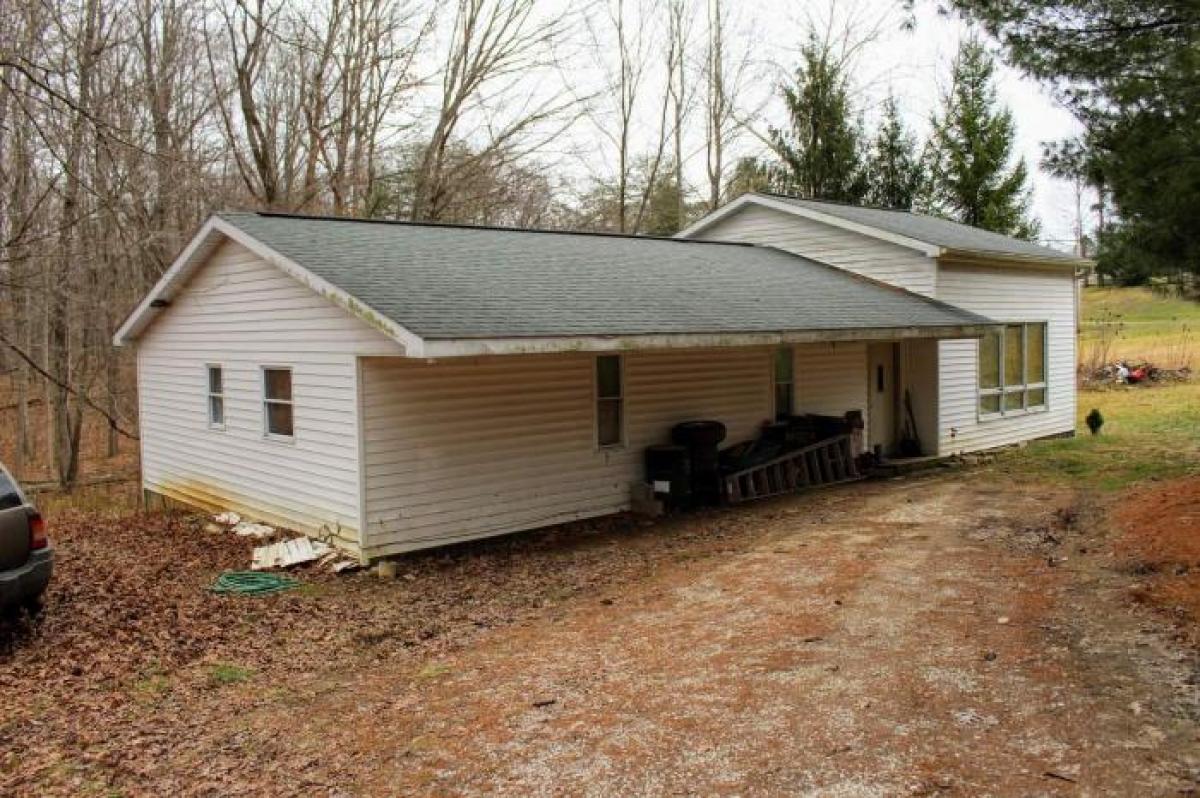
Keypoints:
pixel 1137 324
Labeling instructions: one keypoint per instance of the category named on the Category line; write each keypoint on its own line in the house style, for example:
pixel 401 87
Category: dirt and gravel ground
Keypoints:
pixel 951 634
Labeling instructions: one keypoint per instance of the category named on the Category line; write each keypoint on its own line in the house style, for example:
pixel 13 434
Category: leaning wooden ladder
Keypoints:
pixel 822 463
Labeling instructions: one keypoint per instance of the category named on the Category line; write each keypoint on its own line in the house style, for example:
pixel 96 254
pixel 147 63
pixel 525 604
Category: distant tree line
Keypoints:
pixel 124 123
pixel 1130 72
pixel 966 171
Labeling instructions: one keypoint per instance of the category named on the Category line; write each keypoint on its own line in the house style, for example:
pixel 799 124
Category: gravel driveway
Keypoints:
pixel 940 635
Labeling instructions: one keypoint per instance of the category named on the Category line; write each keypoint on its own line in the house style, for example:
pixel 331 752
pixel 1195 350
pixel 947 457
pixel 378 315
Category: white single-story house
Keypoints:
pixel 394 386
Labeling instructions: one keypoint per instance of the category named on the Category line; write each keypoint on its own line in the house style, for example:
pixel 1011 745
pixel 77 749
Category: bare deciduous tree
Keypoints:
pixel 492 44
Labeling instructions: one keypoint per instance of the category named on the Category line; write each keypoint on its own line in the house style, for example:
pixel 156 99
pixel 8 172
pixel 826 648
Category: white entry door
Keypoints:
pixel 883 399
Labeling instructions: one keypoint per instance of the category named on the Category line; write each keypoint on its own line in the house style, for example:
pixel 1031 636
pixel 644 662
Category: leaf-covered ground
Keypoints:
pixel 134 657
pixel 950 634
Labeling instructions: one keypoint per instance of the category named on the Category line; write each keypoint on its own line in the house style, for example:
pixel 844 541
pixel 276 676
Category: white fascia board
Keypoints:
pixel 972 257
pixel 924 247
pixel 712 217
pixel 473 347
pixel 201 245
pixel 178 271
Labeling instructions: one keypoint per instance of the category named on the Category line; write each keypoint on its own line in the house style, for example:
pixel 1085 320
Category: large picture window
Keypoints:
pixel 610 401
pixel 1012 369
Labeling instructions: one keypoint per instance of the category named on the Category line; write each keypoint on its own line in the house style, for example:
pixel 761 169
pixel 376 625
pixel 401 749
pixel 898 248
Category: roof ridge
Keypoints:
pixel 483 227
pixel 1014 246
pixel 842 203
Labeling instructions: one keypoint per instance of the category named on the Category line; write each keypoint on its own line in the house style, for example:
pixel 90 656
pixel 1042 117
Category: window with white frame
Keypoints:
pixel 784 382
pixel 1012 369
pixel 216 397
pixel 277 402
pixel 610 401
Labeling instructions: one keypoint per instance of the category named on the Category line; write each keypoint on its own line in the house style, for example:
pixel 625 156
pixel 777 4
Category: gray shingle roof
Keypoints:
pixel 448 282
pixel 929 229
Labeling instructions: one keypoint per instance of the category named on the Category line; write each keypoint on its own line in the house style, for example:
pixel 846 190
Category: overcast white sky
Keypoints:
pixel 913 64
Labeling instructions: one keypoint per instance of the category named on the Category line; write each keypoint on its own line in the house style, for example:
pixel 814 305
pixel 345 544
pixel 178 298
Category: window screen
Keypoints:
pixel 277 401
pixel 609 401
pixel 216 396
pixel 785 383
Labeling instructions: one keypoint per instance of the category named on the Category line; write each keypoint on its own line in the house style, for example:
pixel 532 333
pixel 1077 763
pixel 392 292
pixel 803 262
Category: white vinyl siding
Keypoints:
pixel 880 260
pixel 1006 293
pixel 459 449
pixel 832 379
pixel 243 313
pixel 1010 294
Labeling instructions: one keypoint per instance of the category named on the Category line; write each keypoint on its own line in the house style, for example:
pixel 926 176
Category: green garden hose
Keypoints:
pixel 252 583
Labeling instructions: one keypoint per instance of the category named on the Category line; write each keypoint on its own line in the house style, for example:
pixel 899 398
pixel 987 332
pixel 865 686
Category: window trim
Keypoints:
pixel 209 396
pixel 775 383
pixel 597 399
pixel 1023 387
pixel 266 428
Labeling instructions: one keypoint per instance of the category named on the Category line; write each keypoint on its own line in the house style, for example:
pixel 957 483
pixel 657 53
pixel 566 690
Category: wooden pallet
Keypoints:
pixel 822 463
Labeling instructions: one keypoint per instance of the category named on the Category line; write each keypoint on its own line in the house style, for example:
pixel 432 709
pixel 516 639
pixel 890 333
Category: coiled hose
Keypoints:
pixel 252 583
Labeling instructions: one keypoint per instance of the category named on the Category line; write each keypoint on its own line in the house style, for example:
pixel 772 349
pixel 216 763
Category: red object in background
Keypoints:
pixel 1138 374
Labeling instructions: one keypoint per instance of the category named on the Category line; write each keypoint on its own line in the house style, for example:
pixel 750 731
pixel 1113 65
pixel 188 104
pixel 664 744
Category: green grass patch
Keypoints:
pixel 1138 324
pixel 433 670
pixel 1138 304
pixel 225 673
pixel 152 688
pixel 1148 434
pixel 153 683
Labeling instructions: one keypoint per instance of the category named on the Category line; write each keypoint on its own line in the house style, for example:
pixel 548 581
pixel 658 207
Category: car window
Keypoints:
pixel 9 495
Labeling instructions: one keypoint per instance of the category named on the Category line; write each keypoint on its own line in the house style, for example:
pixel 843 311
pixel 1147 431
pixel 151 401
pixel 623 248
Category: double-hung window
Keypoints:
pixel 1012 369
pixel 216 397
pixel 277 402
pixel 610 401
pixel 784 382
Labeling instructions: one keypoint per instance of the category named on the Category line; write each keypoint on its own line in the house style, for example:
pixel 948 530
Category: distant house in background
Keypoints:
pixel 395 386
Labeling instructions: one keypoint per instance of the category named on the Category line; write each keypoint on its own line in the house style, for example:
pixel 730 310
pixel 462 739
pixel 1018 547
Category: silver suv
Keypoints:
pixel 26 558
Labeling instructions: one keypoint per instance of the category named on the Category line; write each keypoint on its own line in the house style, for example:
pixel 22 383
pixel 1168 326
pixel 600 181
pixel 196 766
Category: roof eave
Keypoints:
pixel 983 257
pixel 202 245
pixel 473 347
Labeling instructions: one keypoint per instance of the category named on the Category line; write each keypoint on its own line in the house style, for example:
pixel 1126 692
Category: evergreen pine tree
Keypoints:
pixel 749 174
pixel 1128 72
pixel 972 178
pixel 821 155
pixel 895 172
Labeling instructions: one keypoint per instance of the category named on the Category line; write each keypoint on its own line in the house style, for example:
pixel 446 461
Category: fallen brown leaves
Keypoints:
pixel 138 679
